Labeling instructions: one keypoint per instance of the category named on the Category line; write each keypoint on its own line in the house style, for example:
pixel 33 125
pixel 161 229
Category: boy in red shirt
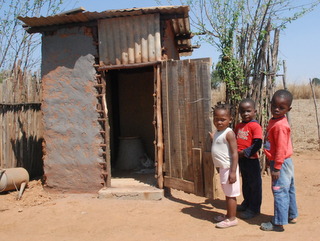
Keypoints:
pixel 249 141
pixel 278 149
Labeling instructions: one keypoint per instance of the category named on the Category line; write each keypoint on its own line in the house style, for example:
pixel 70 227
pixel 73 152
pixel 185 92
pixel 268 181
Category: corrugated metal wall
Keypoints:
pixel 129 40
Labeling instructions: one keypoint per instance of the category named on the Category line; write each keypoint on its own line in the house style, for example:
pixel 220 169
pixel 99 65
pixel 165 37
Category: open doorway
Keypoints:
pixel 131 114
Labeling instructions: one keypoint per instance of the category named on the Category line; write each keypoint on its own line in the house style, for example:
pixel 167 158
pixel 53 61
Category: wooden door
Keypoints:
pixel 186 106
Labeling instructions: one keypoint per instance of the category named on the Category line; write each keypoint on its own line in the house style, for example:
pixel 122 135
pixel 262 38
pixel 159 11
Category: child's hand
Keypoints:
pixel 211 135
pixel 241 154
pixel 232 177
pixel 275 175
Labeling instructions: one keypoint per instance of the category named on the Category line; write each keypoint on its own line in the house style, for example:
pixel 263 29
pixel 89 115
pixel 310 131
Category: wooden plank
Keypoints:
pixel 207 103
pixel 170 136
pixel 197 171
pixel 199 105
pixel 209 175
pixel 10 138
pixel 205 97
pixel 189 117
pixel 127 66
pixel 15 135
pixel 9 121
pixel 193 104
pixel 28 128
pixel 174 124
pixel 1 127
pixel 165 114
pixel 4 124
pixel 185 160
pixel 179 184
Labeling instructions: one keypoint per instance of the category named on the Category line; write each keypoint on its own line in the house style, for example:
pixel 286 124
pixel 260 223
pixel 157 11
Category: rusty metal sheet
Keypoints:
pixel 129 40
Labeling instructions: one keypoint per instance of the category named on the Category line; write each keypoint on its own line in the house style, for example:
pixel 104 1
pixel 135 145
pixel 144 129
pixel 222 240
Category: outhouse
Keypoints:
pixel 115 78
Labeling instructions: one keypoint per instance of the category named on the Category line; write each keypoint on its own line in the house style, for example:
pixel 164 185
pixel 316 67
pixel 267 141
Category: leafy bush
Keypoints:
pixel 315 81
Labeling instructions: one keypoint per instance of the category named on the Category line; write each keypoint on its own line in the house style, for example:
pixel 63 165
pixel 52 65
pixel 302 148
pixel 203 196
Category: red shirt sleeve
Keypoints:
pixel 280 145
pixel 280 138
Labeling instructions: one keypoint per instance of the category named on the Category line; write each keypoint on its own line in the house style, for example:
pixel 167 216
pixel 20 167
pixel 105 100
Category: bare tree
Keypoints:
pixel 15 43
pixel 246 33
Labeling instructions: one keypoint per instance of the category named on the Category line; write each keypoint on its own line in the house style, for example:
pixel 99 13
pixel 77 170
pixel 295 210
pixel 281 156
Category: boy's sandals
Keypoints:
pixel 292 220
pixel 248 214
pixel 271 227
pixel 227 223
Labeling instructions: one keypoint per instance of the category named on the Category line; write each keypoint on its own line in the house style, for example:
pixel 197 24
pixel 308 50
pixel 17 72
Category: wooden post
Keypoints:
pixel 284 80
pixel 284 77
pixel 159 131
pixel 316 107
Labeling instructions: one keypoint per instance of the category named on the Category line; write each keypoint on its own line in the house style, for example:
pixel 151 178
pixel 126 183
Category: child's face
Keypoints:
pixel 279 106
pixel 221 119
pixel 247 111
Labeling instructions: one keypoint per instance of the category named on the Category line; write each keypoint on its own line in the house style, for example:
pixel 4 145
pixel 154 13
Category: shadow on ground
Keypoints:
pixel 210 208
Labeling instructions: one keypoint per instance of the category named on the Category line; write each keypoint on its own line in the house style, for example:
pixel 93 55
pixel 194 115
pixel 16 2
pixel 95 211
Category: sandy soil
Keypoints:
pixel 73 217
pixel 304 125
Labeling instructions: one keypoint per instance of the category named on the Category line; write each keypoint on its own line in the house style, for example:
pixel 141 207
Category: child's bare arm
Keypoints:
pixel 231 138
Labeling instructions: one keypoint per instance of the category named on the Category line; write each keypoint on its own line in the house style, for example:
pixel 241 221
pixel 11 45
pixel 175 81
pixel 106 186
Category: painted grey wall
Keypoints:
pixel 71 130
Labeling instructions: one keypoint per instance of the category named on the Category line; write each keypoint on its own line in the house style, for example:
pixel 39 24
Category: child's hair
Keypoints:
pixel 284 94
pixel 247 100
pixel 222 106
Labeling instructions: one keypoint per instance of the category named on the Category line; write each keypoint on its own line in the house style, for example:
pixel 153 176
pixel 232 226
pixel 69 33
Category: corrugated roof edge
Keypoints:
pixel 77 16
pixel 82 17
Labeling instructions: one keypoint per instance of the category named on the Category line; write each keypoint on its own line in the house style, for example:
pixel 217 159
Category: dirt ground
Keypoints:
pixel 72 217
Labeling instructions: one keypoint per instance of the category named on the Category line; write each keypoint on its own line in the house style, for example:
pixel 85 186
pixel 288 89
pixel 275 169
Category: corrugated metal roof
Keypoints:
pixel 138 41
pixel 60 19
pixel 179 16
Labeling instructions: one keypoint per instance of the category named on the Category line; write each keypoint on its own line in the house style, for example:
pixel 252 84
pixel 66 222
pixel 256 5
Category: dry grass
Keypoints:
pixel 303 91
pixel 298 91
pixel 218 94
pixel 302 116
pixel 304 125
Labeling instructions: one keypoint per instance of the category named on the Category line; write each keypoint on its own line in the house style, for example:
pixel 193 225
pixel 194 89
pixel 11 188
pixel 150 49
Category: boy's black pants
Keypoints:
pixel 251 184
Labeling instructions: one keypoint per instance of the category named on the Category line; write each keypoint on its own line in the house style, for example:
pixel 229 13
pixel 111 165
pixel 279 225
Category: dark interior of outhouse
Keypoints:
pixel 130 110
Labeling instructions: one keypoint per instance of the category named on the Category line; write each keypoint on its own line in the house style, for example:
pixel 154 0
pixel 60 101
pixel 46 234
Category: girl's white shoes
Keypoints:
pixel 226 223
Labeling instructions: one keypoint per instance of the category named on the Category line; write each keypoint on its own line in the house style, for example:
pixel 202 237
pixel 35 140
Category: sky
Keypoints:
pixel 299 42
